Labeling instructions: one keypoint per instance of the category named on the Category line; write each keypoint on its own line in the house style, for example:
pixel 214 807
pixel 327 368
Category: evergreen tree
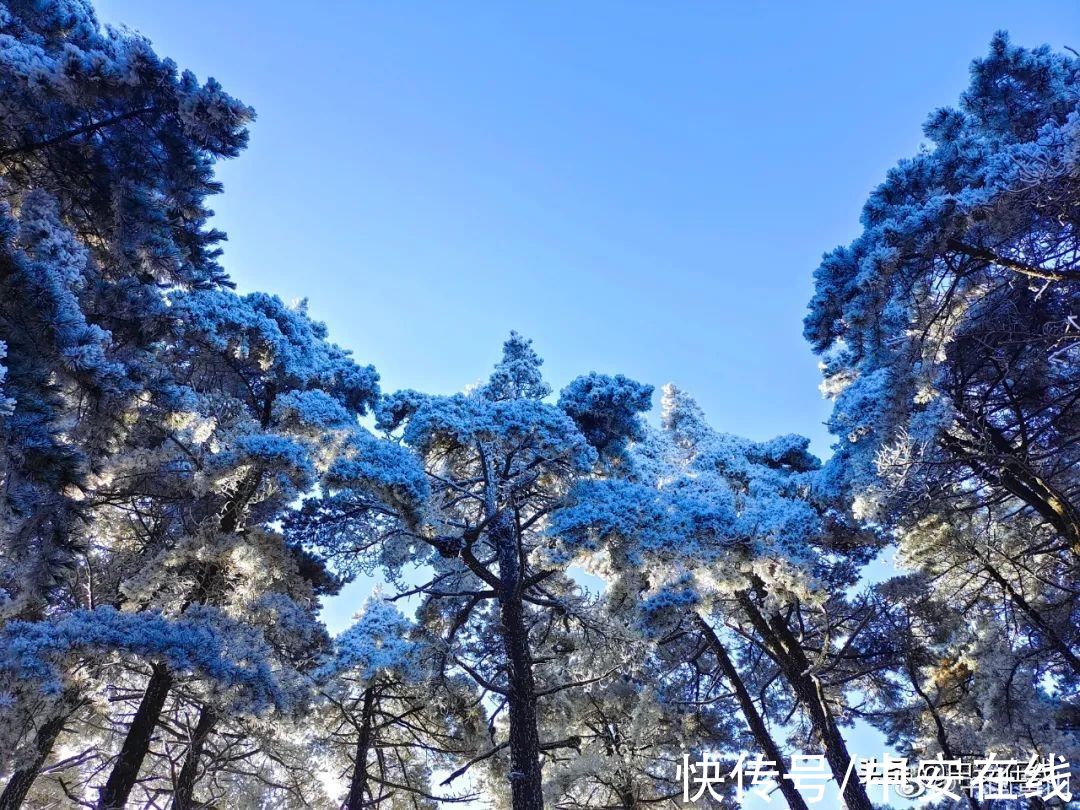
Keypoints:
pixel 464 499
pixel 385 721
pixel 948 339
pixel 699 530
pixel 948 336
pixel 106 159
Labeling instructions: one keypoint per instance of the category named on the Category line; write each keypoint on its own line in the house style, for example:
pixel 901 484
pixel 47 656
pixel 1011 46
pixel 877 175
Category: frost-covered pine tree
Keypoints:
pixel 106 158
pixel 250 414
pixel 630 731
pixel 956 684
pixel 949 338
pixel 461 492
pixel 384 723
pixel 50 668
pixel 728 539
pixel 247 410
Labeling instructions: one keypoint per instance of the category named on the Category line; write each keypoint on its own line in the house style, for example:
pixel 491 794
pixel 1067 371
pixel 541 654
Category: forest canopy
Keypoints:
pixel 188 473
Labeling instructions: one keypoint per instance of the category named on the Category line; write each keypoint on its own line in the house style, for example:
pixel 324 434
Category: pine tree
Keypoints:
pixel 106 156
pixel 701 529
pixel 948 336
pixel 266 401
pixel 464 498
pixel 948 340
pixel 106 159
pixel 385 721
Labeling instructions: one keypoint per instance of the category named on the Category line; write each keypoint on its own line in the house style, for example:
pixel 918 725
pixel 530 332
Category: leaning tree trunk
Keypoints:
pixel 19 784
pixel 358 786
pixel 185 782
pixel 750 713
pixel 525 779
pixel 126 769
pixel 792 660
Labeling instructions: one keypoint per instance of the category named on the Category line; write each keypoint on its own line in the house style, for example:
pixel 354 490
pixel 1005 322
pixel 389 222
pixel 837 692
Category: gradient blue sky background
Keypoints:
pixel 639 187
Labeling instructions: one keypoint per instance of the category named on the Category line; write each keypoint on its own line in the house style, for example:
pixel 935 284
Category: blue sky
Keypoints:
pixel 640 187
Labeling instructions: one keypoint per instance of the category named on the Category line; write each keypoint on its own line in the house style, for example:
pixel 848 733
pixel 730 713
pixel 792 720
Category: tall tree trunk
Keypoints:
pixel 750 713
pixel 19 784
pixel 525 777
pixel 358 787
pixel 126 769
pixel 791 658
pixel 185 782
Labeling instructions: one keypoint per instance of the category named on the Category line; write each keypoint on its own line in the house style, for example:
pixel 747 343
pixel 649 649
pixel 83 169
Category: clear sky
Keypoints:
pixel 642 188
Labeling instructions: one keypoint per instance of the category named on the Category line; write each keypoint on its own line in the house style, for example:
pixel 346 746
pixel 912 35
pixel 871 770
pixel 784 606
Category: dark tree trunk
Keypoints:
pixel 525 778
pixel 750 713
pixel 791 658
pixel 19 785
pixel 627 800
pixel 126 769
pixel 185 782
pixel 358 787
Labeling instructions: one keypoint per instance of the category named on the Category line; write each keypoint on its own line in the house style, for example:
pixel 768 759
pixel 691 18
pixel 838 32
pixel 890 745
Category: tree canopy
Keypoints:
pixel 188 473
